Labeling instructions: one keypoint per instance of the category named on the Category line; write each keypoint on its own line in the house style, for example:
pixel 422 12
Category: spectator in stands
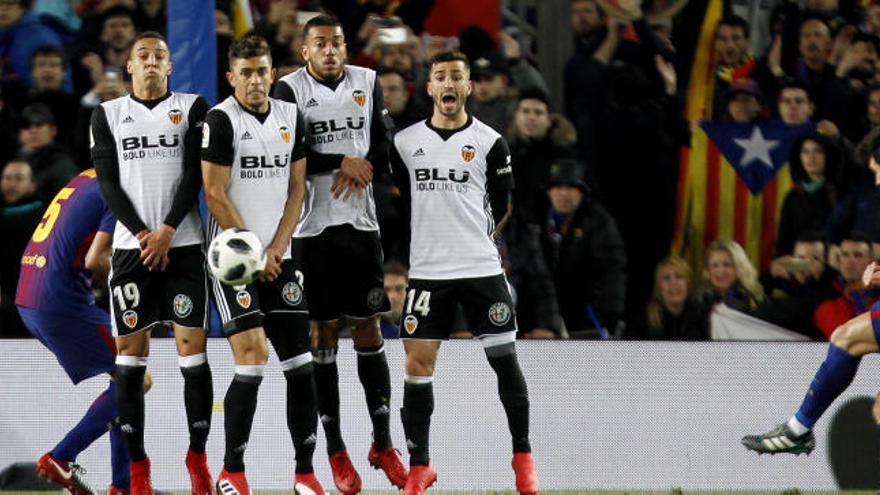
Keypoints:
pixel 396 278
pixel 22 33
pixel 280 27
pixel 18 218
pixel 730 278
pixel 117 33
pixel 587 24
pixel 402 108
pixel 493 100
pixel 537 138
pixel 673 313
pixel 111 84
pixel 51 164
pixel 812 67
pixel 848 90
pixel 797 284
pixel 851 298
pixel 815 164
pixel 731 52
pixel 48 67
pixel 743 101
pixel 860 210
pixel 17 185
pixel 794 105
pixel 534 292
pixel 586 256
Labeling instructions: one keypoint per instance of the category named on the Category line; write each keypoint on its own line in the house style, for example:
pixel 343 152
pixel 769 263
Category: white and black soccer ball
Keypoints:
pixel 235 257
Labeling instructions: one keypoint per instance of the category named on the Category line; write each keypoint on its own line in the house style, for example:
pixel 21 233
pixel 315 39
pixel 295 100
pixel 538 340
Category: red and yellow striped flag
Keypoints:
pixel 731 183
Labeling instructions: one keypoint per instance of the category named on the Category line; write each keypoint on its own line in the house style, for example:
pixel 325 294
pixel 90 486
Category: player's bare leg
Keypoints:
pixel 849 343
pixel 418 405
pixel 198 398
pixel 373 372
pixel 131 365
pixel 250 351
pixel 324 347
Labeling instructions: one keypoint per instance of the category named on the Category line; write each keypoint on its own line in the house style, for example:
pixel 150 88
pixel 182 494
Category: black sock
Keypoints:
pixel 302 419
pixel 198 397
pixel 418 404
pixel 376 380
pixel 130 399
pixel 513 392
pixel 327 392
pixel 240 405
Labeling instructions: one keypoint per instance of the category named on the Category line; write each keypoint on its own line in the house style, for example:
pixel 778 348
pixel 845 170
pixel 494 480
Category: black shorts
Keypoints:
pixel 140 298
pixel 429 307
pixel 343 273
pixel 244 307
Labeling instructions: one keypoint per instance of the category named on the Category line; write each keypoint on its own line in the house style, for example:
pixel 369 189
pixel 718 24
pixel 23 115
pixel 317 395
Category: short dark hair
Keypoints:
pixel 814 235
pixel 535 93
pixel 384 71
pixel 49 51
pixel 792 83
pixel 117 11
pixel 858 236
pixel 736 21
pixel 395 267
pixel 155 35
pixel 449 56
pixel 320 21
pixel 248 47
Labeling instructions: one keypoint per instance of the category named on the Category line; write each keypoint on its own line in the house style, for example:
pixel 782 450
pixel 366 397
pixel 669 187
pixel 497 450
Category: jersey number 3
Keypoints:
pixel 45 227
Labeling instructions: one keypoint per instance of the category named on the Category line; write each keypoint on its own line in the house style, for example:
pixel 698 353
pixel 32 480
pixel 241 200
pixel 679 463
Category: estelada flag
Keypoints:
pixel 736 178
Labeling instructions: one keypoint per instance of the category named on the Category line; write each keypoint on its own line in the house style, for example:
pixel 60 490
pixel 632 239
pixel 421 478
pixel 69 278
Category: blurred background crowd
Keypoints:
pixel 669 155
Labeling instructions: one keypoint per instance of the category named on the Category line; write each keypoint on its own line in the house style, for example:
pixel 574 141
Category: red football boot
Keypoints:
pixel 420 478
pixel 140 478
pixel 388 460
pixel 307 484
pixel 199 475
pixel 526 477
pixel 232 483
pixel 345 476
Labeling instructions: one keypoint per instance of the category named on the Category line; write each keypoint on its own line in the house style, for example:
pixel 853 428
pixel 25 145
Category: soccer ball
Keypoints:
pixel 236 257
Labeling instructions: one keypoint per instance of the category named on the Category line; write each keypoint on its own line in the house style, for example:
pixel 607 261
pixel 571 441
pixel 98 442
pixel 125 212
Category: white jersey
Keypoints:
pixel 449 173
pixel 339 118
pixel 149 145
pixel 259 148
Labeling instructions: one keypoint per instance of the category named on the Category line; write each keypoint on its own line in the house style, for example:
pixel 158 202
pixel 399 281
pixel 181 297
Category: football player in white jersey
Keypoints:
pixel 145 148
pixel 253 164
pixel 455 171
pixel 337 243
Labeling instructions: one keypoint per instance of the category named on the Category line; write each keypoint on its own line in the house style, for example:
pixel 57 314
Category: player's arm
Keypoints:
pixel 296 192
pixel 157 248
pixel 217 155
pixel 353 174
pixel 499 183
pixel 98 256
pixel 317 162
pixel 400 175
pixel 106 163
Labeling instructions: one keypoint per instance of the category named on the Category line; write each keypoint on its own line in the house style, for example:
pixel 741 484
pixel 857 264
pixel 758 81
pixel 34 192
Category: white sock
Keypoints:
pixel 796 427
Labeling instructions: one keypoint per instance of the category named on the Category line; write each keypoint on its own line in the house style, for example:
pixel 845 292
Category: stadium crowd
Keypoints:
pixel 587 250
